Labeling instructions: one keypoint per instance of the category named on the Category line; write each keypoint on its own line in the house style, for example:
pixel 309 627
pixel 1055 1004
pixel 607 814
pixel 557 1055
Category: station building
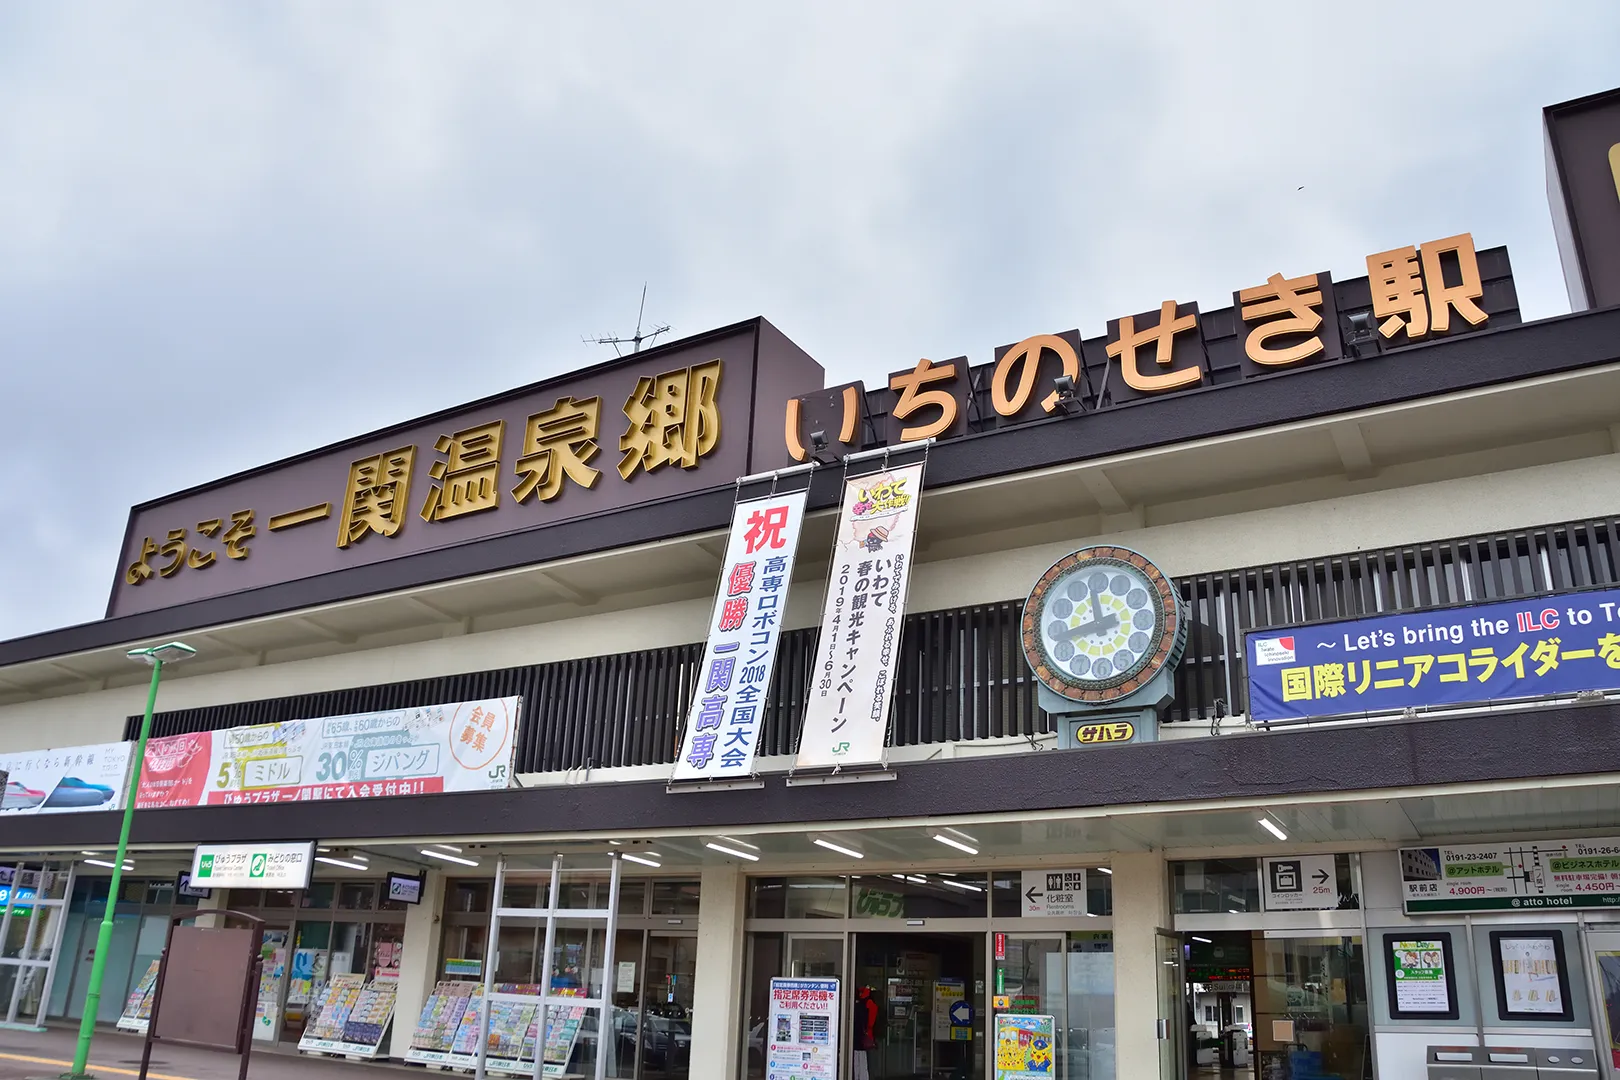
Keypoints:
pixel 1213 892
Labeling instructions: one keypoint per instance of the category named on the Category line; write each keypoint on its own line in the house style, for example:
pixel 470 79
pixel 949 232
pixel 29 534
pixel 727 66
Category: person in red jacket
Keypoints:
pixel 866 1016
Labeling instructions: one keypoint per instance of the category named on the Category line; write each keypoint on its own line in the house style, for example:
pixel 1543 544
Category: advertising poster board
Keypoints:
pixel 1026 1047
pixel 1515 876
pixel 1532 981
pixel 66 780
pixel 1420 977
pixel 847 717
pixel 802 1033
pixel 465 746
pixel 1547 645
pixel 728 707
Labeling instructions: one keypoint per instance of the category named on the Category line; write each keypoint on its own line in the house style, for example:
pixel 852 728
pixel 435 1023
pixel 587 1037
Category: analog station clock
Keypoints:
pixel 1100 624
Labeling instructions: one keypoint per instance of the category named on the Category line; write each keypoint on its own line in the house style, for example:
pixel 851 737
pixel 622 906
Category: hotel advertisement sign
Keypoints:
pixel 861 619
pixel 726 713
pixel 465 746
pixel 1525 875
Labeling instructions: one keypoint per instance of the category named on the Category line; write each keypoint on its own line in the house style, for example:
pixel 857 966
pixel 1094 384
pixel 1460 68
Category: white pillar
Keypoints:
pixel 1141 909
pixel 418 967
pixel 718 983
pixel 216 900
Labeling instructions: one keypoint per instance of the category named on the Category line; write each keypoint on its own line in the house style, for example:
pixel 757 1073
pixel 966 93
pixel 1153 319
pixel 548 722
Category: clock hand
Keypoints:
pixel 1096 607
pixel 1095 626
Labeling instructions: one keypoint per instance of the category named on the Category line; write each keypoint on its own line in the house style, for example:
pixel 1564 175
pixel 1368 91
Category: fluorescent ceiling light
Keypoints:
pixel 738 843
pixel 1205 940
pixel 357 857
pixel 323 850
pixel 448 847
pixel 960 885
pixel 329 861
pixel 918 879
pixel 108 865
pixel 1233 911
pixel 89 853
pixel 951 841
pixel 643 861
pixel 1105 870
pixel 749 855
pixel 840 848
pixel 898 877
pixel 1091 914
pixel 1270 827
pixel 430 853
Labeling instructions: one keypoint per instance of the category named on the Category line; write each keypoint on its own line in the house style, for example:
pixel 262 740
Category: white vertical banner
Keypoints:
pixel 853 679
pixel 723 722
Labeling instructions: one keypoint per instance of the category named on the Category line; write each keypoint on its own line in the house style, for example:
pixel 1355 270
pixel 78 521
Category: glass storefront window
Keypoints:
pixel 468 896
pixel 319 895
pixel 921 896
pixel 1319 984
pixel 799 898
pixel 280 898
pixel 632 897
pixel 357 896
pixel 675 898
pixel 1210 886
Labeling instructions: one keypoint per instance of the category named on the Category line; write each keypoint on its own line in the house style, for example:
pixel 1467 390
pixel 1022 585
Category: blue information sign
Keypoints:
pixel 1558 644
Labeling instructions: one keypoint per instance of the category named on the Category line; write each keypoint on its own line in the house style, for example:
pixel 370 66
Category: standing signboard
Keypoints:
pixel 727 710
pixel 466 746
pixel 1301 883
pixel 66 780
pixel 802 1036
pixel 1026 1047
pixel 847 717
pixel 1530 648
pixel 1521 875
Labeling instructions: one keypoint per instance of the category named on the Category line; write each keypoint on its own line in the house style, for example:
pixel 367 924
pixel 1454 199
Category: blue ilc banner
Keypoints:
pixel 1534 647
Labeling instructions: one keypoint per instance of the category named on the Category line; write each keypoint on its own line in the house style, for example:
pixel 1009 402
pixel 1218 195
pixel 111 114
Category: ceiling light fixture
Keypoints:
pixel 329 861
pixel 643 861
pixel 1205 940
pixel 734 852
pixel 840 848
pixel 108 865
pixel 448 847
pixel 739 843
pixel 1105 870
pixel 430 853
pixel 1271 827
pixel 951 841
pixel 916 879
pixel 964 886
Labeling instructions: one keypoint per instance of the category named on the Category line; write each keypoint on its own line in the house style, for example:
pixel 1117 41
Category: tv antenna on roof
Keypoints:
pixel 638 337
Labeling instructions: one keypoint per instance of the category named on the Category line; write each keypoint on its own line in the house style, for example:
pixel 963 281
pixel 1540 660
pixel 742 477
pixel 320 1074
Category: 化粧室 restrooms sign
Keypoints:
pixel 1547 645
pixel 422 751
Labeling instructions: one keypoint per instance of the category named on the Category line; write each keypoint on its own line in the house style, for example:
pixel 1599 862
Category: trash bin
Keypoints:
pixel 1566 1063
pixel 1454 1062
pixel 1507 1063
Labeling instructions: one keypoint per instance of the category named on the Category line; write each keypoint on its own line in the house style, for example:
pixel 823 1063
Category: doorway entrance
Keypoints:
pixel 927 988
pixel 1274 1004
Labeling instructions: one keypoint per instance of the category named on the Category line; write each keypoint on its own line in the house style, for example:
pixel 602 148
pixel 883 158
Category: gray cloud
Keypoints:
pixel 230 232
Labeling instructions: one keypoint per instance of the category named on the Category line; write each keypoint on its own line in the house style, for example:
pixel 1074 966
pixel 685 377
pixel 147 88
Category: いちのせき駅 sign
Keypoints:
pixel 1520 875
pixel 1536 647
pixel 693 415
pixel 252 866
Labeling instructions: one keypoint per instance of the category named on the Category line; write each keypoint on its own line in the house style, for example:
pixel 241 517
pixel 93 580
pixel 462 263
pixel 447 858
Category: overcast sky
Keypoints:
pixel 230 232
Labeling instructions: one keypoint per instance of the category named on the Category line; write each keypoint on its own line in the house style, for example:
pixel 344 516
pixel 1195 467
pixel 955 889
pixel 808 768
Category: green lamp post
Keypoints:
pixel 157 656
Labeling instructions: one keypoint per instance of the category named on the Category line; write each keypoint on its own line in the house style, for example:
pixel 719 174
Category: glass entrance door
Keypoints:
pixel 1603 961
pixel 1172 1021
pixel 1029 973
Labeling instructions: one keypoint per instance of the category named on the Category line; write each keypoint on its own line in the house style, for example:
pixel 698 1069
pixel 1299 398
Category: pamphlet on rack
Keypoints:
pixel 137 1012
pixel 351 1018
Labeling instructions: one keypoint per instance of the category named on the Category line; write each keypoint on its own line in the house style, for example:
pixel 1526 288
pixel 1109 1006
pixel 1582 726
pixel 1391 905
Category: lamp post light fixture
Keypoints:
pixel 157 655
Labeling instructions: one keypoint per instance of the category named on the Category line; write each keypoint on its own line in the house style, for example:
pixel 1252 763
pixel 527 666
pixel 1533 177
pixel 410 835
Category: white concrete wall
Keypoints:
pixel 717 985
pixel 1141 909
pixel 1502 500
pixel 418 967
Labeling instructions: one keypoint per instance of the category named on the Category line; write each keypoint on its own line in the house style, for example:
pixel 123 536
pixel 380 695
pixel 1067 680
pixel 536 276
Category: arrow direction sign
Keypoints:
pixel 961 1014
pixel 1053 893
pixel 1300 883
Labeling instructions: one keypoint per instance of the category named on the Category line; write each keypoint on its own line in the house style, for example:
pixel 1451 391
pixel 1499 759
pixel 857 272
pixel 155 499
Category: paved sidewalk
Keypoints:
pixel 116 1054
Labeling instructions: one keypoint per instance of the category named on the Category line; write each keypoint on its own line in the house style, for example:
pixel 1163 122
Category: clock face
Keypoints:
pixel 1100 623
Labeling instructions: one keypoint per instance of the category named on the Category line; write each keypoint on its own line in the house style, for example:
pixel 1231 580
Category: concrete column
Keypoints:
pixel 418 967
pixel 219 900
pixel 1141 908
pixel 717 985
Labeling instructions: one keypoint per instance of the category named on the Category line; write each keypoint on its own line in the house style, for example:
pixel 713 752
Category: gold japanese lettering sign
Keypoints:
pixel 665 422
